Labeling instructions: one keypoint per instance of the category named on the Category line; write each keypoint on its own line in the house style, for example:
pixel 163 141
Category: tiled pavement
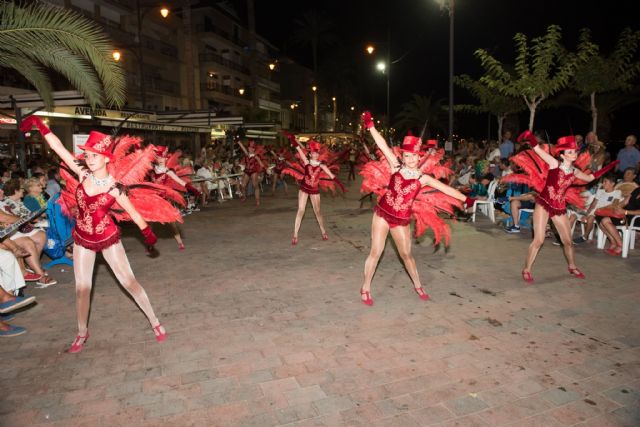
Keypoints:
pixel 262 333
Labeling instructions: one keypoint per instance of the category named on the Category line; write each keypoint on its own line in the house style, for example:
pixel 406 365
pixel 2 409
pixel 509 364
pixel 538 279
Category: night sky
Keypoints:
pixel 420 28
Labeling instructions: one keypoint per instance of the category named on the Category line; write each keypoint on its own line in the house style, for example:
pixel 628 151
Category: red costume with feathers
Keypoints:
pixel 159 174
pixel 401 199
pixel 95 227
pixel 311 179
pixel 555 187
pixel 251 163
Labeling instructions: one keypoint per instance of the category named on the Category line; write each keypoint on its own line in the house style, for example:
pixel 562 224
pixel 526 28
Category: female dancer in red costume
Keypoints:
pixel 98 195
pixel 310 180
pixel 554 193
pixel 400 184
pixel 164 173
pixel 253 165
pixel 280 159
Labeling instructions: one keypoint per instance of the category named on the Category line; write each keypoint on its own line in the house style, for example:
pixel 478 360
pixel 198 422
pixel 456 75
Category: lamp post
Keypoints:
pixel 315 108
pixel 335 112
pixel 450 6
pixel 385 68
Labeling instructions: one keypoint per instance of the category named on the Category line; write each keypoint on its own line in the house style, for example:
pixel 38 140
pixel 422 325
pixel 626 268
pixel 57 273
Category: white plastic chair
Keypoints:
pixel 628 236
pixel 486 206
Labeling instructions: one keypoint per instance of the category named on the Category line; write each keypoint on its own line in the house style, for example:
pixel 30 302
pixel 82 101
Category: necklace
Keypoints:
pixel 160 169
pixel 410 173
pixel 100 182
pixel 566 168
pixel 314 162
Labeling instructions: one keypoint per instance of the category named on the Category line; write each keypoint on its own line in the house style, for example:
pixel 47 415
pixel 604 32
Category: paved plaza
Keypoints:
pixel 262 333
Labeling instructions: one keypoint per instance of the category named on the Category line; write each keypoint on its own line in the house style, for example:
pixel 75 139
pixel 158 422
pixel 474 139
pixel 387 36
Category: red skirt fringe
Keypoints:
pixel 392 220
pixel 553 211
pixel 306 189
pixel 96 246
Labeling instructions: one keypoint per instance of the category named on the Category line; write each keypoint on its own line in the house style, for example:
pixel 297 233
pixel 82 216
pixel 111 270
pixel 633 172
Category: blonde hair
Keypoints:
pixel 30 183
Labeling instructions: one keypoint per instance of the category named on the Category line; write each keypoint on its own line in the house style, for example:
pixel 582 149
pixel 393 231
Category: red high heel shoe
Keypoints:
pixel 526 275
pixel 78 343
pixel 325 236
pixel 577 273
pixel 294 241
pixel 368 300
pixel 160 336
pixel 181 246
pixel 422 294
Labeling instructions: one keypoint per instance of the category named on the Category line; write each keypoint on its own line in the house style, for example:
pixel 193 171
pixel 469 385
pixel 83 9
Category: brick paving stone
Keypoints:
pixel 466 405
pixel 288 341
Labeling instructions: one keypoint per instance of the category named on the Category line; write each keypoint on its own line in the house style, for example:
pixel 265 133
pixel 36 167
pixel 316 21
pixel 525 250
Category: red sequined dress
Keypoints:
pixel 395 205
pixel 309 183
pixel 281 163
pixel 95 228
pixel 251 165
pixel 553 196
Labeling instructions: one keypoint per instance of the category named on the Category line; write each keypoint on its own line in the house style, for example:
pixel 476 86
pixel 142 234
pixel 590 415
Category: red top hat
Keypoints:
pixel 98 143
pixel 314 146
pixel 162 150
pixel 411 144
pixel 566 143
pixel 432 143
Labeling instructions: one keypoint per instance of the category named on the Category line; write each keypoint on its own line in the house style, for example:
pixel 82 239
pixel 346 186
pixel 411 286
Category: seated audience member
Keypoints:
pixel 612 211
pixel 34 199
pixel 53 183
pixel 30 239
pixel 628 182
pixel 521 198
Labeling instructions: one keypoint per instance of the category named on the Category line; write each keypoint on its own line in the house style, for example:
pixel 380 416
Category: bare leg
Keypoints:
pixel 256 188
pixel 402 238
pixel 302 205
pixel 563 228
pixel 540 218
pixel 273 184
pixel 284 184
pixel 515 212
pixel 176 234
pixel 589 227
pixel 315 202
pixel 379 231
pixel 612 233
pixel 117 260
pixel 83 261
pixel 33 260
pixel 243 185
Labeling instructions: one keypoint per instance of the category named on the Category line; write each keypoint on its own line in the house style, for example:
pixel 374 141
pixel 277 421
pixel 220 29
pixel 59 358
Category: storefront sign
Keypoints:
pixel 154 126
pixel 82 112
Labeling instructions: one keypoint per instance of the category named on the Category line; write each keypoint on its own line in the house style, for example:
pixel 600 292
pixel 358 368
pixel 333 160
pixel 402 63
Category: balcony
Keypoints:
pixel 218 59
pixel 265 104
pixel 204 28
pixel 153 84
pixel 268 84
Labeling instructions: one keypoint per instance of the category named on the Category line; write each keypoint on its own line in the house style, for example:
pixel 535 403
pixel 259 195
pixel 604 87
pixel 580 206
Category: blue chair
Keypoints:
pixel 58 234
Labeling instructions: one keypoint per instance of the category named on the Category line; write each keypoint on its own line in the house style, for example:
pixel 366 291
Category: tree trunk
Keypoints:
pixel 501 118
pixel 594 113
pixel 532 115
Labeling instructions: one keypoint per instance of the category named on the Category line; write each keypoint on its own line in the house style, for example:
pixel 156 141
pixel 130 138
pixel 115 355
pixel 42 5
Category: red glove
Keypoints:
pixel 367 120
pixel 468 203
pixel 193 190
pixel 292 139
pixel 339 184
pixel 528 138
pixel 150 239
pixel 605 169
pixel 27 124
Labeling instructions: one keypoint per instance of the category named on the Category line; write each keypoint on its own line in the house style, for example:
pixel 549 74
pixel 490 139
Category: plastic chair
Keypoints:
pixel 486 206
pixel 628 236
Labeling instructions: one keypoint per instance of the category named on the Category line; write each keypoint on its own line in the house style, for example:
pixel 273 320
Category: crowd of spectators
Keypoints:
pixel 609 202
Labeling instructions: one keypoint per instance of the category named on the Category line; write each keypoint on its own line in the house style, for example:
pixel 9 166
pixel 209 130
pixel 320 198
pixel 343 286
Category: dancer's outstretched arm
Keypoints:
pixel 244 150
pixel 176 178
pixel 528 138
pixel 327 171
pixel 53 141
pixel 150 239
pixel 379 140
pixel 440 186
pixel 591 176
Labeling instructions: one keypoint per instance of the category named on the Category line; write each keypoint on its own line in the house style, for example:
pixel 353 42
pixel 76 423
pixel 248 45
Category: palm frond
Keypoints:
pixel 38 27
pixel 31 71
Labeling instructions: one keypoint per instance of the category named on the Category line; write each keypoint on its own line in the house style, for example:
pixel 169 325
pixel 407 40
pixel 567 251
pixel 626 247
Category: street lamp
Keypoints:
pixel 450 6
pixel 315 108
pixel 241 91
pixel 164 11
pixel 116 55
pixel 335 112
pixel 385 68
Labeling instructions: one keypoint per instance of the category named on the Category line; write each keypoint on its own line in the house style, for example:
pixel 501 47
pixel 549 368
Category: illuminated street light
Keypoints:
pixel 315 107
pixel 164 11
pixel 353 108
pixel 272 66
pixel 241 91
pixel 381 66
pixel 116 55
pixel 370 49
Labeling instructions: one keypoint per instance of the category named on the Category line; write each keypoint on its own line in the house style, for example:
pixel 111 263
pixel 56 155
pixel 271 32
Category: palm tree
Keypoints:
pixel 421 109
pixel 40 37
pixel 315 30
